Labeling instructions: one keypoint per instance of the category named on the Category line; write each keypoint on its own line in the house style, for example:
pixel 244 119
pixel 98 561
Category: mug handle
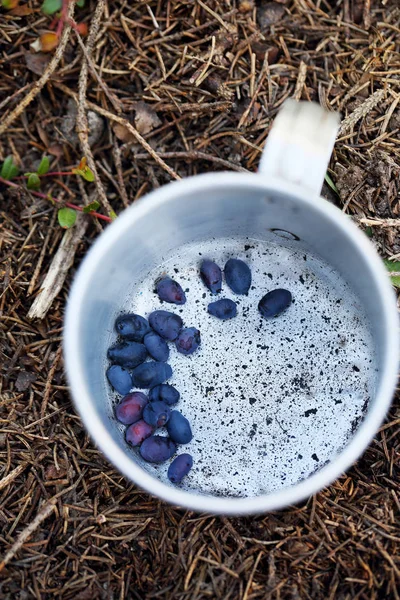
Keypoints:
pixel 300 144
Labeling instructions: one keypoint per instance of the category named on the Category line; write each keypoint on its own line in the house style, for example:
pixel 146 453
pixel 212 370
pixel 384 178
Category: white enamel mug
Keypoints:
pixel 280 407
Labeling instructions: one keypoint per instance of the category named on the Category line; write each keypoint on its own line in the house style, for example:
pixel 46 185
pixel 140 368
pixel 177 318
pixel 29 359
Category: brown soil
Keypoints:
pixel 192 79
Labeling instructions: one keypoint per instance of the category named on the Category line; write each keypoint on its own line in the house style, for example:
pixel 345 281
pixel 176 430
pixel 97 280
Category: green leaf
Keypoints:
pixel 331 184
pixel 9 170
pixel 49 7
pixel 83 170
pixel 112 215
pixel 368 232
pixel 66 217
pixel 91 207
pixel 392 265
pixel 394 271
pixel 395 281
pixel 80 3
pixel 86 173
pixel 44 166
pixel 33 181
pixel 9 4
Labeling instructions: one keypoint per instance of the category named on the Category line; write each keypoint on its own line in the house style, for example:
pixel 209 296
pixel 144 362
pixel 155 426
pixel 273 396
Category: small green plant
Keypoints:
pixel 67 214
pixel 329 181
pixel 394 272
pixel 83 170
pixel 93 206
pixel 9 169
pixel 33 182
pixel 9 4
pixel 368 232
pixel 59 8
pixel 49 40
pixel 49 7
pixel 66 217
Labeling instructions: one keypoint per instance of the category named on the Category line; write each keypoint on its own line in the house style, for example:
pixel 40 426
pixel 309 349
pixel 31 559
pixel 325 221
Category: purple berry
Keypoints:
pixel 156 346
pixel 188 340
pixel 170 291
pixel 120 379
pixel 150 374
pixel 223 309
pixel 178 428
pixel 274 303
pixel 157 449
pixel 166 324
pixel 130 409
pixel 165 392
pixel 132 327
pixel 128 354
pixel 156 414
pixel 180 467
pixel 138 432
pixel 211 275
pixel 237 276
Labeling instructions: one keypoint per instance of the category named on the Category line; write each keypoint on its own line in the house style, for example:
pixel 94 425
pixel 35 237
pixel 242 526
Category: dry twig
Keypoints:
pixel 44 512
pixel 58 270
pixel 39 85
pixel 129 127
pixel 81 118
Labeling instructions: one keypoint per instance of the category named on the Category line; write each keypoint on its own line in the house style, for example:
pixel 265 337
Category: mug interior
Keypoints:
pixel 313 375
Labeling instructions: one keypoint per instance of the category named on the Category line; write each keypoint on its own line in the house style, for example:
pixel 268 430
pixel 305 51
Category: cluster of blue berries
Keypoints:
pixel 238 278
pixel 142 413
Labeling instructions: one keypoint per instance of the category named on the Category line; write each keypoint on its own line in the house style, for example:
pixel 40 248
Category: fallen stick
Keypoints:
pixel 11 476
pixel 58 270
pixel 45 511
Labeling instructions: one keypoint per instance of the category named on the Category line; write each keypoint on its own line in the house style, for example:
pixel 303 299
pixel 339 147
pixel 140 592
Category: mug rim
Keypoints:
pixel 99 432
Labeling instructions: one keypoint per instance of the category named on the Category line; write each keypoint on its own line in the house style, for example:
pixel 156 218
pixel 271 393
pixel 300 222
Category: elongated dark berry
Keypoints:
pixel 178 428
pixel 130 409
pixel 223 309
pixel 157 449
pixel 156 346
pixel 127 354
pixel 211 275
pixel 188 340
pixel 150 374
pixel 132 327
pixel 237 276
pixel 138 432
pixel 165 392
pixel 166 324
pixel 274 303
pixel 120 379
pixel 179 468
pixel 156 413
pixel 170 291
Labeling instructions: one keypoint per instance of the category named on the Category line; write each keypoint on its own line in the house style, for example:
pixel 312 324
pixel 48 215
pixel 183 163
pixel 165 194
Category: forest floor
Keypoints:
pixel 174 89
